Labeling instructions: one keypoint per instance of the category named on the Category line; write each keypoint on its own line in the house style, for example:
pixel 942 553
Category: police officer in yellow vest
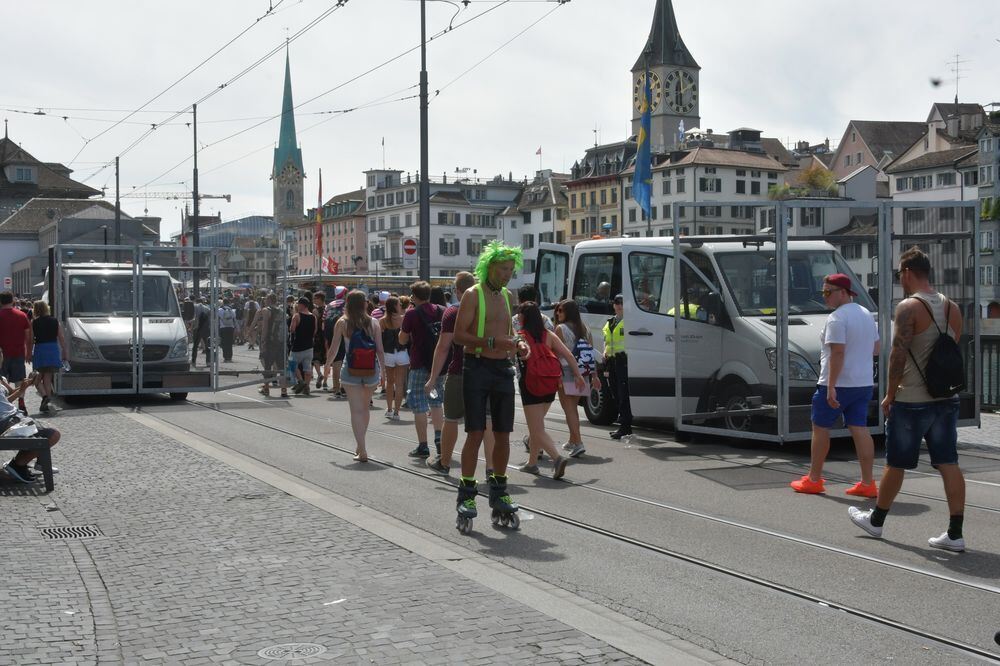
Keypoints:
pixel 614 352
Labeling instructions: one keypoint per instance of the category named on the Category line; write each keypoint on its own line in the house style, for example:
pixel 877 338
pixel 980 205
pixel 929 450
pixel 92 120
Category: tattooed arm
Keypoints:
pixel 902 337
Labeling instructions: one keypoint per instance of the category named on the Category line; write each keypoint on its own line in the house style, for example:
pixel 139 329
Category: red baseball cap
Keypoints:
pixel 842 281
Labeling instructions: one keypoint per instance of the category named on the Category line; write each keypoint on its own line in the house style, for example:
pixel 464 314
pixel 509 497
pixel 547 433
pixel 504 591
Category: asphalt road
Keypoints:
pixel 723 502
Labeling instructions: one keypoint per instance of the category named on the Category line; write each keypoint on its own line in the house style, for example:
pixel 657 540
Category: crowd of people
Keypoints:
pixel 454 357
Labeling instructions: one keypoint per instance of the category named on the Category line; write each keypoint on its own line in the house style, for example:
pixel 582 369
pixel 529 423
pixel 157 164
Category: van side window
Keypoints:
pixel 597 281
pixel 652 278
pixel 700 300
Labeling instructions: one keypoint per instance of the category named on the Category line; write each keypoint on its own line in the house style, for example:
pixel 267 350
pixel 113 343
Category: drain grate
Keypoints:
pixel 72 532
pixel 291 651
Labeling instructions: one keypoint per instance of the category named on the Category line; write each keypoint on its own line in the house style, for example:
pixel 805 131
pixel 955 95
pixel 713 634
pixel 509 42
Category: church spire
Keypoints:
pixel 665 46
pixel 288 149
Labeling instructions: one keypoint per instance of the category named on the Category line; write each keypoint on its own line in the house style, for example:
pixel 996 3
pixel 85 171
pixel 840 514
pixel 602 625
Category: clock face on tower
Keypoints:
pixel 289 176
pixel 655 90
pixel 681 91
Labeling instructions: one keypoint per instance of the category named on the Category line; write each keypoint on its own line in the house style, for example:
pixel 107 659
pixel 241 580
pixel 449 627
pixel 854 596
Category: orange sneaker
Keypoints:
pixel 808 486
pixel 861 490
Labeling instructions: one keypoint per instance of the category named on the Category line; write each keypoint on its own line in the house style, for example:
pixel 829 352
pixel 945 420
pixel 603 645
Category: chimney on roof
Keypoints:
pixel 827 143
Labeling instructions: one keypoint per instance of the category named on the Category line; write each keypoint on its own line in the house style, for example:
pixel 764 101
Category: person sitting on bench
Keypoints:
pixel 17 468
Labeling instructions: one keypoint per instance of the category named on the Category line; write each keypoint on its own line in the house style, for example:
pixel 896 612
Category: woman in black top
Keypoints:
pixel 48 343
pixel 302 333
pixel 397 358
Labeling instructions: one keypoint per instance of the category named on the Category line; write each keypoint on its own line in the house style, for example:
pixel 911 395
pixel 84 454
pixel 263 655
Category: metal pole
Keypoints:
pixel 425 189
pixel 195 258
pixel 118 209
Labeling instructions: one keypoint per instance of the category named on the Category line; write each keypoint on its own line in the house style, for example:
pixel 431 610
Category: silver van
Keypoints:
pixel 729 320
pixel 97 310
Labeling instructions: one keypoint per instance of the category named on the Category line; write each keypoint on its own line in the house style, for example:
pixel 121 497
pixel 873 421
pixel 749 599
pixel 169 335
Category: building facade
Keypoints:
pixel 543 207
pixel 463 214
pixel 595 200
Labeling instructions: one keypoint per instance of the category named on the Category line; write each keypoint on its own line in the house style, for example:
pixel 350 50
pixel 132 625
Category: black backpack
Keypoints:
pixel 944 374
pixel 431 335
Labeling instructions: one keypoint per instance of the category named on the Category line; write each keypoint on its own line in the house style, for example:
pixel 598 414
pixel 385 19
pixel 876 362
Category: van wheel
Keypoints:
pixel 600 407
pixel 177 397
pixel 735 397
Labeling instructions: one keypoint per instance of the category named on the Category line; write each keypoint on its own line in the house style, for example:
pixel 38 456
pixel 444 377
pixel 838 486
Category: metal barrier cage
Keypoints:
pixel 744 354
pixel 137 324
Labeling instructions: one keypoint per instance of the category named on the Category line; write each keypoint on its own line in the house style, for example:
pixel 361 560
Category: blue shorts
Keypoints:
pixel 13 369
pixel 912 422
pixel 853 401
pixel 417 399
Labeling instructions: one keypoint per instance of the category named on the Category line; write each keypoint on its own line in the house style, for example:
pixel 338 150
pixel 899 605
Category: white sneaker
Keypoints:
pixel 388 414
pixel 863 519
pixel 577 450
pixel 944 542
pixel 567 446
pixel 395 416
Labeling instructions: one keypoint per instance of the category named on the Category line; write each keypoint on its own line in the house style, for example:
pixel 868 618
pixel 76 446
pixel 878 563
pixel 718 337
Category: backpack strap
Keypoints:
pixel 481 312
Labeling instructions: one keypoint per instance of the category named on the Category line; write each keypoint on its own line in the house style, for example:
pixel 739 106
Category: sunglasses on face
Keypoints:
pixel 828 291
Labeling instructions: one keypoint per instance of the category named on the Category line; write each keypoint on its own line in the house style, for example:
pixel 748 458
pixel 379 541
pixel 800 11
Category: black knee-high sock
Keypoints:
pixel 878 516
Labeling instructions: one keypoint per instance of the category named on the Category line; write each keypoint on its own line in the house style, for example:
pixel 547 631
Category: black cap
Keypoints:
pixel 619 298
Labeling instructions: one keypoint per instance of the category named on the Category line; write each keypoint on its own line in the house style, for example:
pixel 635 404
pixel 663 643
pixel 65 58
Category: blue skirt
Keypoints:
pixel 47 356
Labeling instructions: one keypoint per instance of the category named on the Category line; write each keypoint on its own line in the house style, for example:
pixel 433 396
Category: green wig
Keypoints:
pixel 493 252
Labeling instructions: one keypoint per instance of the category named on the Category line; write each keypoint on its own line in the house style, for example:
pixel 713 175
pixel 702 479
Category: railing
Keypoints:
pixel 990 345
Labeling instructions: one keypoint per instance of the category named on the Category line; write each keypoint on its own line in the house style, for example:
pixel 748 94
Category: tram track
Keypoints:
pixel 677 555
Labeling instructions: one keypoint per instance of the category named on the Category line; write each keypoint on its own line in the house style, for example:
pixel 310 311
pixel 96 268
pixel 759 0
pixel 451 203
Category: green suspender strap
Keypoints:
pixel 481 326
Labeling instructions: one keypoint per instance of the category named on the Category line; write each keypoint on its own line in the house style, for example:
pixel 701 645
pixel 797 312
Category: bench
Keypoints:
pixel 39 444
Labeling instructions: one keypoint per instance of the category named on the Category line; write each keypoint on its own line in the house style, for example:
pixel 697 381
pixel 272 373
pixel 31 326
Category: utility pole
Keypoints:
pixel 195 258
pixel 425 188
pixel 118 209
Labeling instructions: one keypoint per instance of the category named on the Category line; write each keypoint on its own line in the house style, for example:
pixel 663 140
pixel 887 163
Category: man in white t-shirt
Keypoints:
pixel 845 388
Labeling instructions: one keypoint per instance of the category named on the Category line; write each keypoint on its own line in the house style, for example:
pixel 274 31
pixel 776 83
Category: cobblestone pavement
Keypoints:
pixel 987 436
pixel 201 564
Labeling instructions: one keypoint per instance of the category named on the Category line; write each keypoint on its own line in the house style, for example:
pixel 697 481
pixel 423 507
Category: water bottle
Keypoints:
pixel 433 394
pixel 65 366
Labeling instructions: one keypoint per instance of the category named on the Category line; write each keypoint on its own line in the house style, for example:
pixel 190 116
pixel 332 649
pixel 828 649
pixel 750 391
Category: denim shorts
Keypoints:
pixel 912 422
pixel 355 380
pixel 853 406
pixel 418 399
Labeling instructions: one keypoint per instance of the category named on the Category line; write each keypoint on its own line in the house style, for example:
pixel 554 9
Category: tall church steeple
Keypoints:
pixel 673 80
pixel 287 172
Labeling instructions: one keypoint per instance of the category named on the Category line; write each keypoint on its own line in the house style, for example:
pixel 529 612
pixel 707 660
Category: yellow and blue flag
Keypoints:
pixel 642 180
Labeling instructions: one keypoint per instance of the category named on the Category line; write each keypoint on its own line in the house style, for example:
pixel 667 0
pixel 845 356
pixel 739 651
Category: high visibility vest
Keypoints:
pixel 614 338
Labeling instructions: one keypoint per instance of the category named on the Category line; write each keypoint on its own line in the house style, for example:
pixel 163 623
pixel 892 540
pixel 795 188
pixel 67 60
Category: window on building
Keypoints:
pixel 985 240
pixel 380 200
pixel 858 159
pixel 986 175
pixel 572 201
pixel 409 219
pixel 741 187
pixel 754 187
pixel 614 221
pixel 593 198
pixel 614 195
pixel 653 212
pixel 946 179
pixel 449 247
pixel 572 227
pixel 628 192
pixel 812 217
pixel 528 241
pixel 289 200
pixel 710 184
pixel 986 275
pixel 681 186
pixel 902 183
pixel 604 197
pixel 847 160
pixel 631 214
pixel 970 178
pixel 851 251
pixel 986 146
pixel 547 215
pixel 755 174
pixel 666 186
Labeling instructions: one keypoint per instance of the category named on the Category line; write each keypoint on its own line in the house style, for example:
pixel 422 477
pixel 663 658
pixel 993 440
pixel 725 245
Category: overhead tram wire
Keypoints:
pixel 439 34
pixel 309 26
pixel 502 46
pixel 333 114
pixel 270 10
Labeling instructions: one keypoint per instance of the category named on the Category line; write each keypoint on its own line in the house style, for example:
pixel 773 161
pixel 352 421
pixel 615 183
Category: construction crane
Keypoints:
pixel 138 194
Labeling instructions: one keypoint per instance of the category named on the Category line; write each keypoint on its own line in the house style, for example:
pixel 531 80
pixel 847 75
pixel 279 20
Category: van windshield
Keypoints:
pixel 104 294
pixel 752 280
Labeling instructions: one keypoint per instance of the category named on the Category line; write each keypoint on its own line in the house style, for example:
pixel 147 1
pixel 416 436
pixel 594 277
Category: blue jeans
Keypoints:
pixel 911 422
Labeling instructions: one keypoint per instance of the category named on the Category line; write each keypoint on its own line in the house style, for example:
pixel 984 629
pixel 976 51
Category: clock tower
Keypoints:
pixel 287 173
pixel 673 76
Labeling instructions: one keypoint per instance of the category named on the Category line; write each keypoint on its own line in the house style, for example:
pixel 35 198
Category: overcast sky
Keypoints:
pixel 796 70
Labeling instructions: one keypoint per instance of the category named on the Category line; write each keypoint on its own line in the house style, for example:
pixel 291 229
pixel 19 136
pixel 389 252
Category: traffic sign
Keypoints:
pixel 7 283
pixel 409 253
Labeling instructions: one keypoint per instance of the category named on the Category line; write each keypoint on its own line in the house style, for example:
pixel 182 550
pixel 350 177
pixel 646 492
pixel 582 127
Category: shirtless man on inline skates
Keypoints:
pixel 483 327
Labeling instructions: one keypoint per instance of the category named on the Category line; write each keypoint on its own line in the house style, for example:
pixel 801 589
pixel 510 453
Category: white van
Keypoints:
pixel 728 328
pixel 96 311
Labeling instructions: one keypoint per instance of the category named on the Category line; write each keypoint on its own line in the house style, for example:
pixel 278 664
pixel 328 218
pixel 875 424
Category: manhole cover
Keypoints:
pixel 72 532
pixel 291 651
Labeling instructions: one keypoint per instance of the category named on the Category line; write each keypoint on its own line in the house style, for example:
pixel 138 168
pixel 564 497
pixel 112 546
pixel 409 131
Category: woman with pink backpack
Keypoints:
pixel 541 377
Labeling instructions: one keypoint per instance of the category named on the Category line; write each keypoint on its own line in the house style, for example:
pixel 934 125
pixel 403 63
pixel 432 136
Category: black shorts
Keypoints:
pixel 319 351
pixel 529 398
pixel 488 383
